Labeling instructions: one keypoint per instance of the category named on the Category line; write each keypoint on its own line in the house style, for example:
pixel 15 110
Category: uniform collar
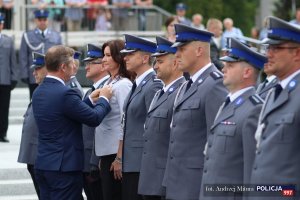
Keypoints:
pixel 198 73
pixel 286 81
pixel 270 79
pixel 166 88
pixel 139 79
pixel 238 93
pixel 96 85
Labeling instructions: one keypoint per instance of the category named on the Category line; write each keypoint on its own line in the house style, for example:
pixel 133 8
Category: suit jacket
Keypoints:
pixel 75 85
pixel 194 113
pixel 107 134
pixel 231 142
pixel 29 139
pixel 8 66
pixel 135 108
pixel 88 135
pixel 277 160
pixel 59 112
pixel 32 41
pixel 263 89
pixel 156 141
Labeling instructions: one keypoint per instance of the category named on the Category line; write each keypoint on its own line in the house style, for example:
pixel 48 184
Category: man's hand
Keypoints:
pixel 106 91
pixel 95 95
pixel 13 85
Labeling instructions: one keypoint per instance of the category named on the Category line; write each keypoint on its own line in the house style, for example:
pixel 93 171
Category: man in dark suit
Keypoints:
pixel 195 108
pixel 277 161
pixel 59 112
pixel 157 125
pixel 95 72
pixel 138 59
pixel 231 151
pixel 38 40
pixel 29 140
pixel 8 78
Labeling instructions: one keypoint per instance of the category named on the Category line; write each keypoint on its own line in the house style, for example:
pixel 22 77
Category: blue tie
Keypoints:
pixel 227 101
pixel 188 85
pixel 278 90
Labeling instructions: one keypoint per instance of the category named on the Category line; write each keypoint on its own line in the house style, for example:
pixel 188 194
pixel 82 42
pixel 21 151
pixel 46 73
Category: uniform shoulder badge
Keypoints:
pixel 73 85
pixel 157 80
pixel 255 99
pixel 216 75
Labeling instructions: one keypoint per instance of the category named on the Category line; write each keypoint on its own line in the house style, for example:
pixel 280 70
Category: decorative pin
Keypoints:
pixel 239 101
pixel 171 89
pixel 292 84
pixel 200 80
pixel 143 82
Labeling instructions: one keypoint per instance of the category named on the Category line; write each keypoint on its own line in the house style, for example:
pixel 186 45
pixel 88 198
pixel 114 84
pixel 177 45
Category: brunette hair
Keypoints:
pixel 115 47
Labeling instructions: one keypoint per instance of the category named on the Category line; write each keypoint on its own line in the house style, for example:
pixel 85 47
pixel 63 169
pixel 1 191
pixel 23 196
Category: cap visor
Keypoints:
pixel 178 44
pixel 228 59
pixel 88 59
pixel 159 54
pixel 128 50
pixel 36 66
pixel 271 41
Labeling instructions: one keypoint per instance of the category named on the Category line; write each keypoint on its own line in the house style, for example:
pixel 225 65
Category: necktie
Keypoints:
pixel 188 85
pixel 43 35
pixel 227 101
pixel 161 93
pixel 133 88
pixel 93 88
pixel 278 90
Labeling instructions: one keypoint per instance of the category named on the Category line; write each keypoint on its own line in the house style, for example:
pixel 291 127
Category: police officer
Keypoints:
pixel 8 78
pixel 29 140
pixel 138 59
pixel 195 108
pixel 95 72
pixel 277 160
pixel 157 125
pixel 73 82
pixel 39 40
pixel 231 144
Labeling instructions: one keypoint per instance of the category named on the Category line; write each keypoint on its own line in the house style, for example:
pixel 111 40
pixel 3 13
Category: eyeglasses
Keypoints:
pixel 275 49
pixel 93 63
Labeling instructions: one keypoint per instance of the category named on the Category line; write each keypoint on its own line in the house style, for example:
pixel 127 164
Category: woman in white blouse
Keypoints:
pixel 107 134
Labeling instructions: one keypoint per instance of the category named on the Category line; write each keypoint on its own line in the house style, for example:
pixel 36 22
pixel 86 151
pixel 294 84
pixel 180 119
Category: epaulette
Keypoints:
pixel 157 80
pixel 216 75
pixel 255 99
pixel 73 85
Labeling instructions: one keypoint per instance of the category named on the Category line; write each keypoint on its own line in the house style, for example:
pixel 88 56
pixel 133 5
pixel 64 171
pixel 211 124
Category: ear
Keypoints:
pixel 247 72
pixel 199 50
pixel 145 59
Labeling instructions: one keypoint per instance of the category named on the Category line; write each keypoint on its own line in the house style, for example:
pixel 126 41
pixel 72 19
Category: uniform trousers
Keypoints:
pixel 130 186
pixel 4 109
pixel 112 188
pixel 92 187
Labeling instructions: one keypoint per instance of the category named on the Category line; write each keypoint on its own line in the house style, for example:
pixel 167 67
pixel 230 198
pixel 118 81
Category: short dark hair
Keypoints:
pixel 115 47
pixel 58 55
